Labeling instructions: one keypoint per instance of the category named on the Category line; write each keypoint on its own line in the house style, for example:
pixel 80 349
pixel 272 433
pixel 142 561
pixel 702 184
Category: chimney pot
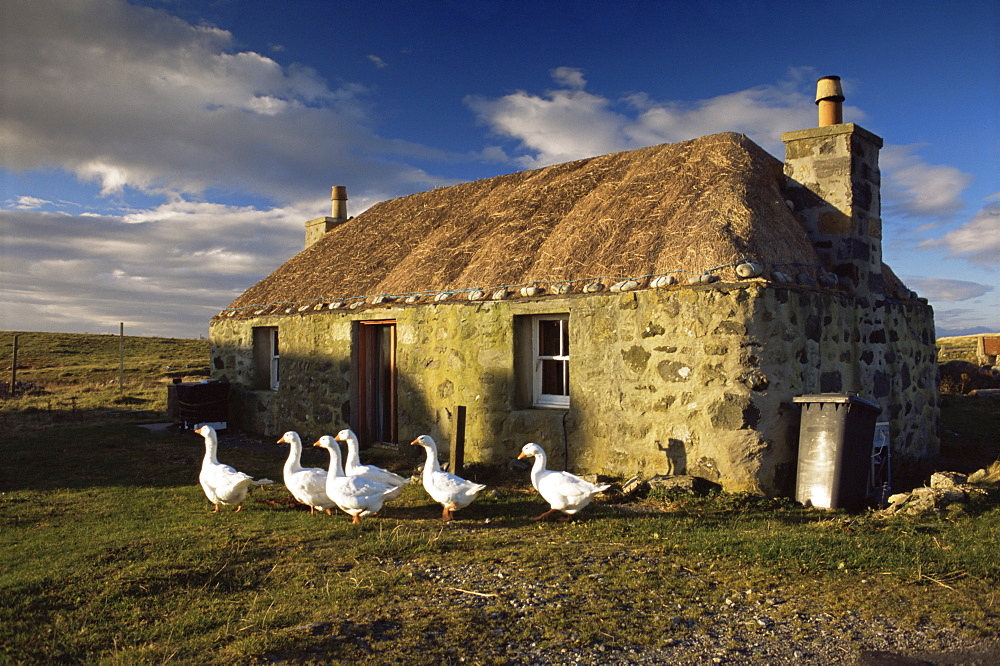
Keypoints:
pixel 338 199
pixel 829 99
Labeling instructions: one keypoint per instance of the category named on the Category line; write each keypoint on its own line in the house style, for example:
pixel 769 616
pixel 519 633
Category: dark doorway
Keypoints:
pixel 376 382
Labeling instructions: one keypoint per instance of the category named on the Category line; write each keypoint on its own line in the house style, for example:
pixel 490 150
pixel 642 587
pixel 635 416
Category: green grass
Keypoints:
pixel 111 555
pixel 958 348
pixel 77 377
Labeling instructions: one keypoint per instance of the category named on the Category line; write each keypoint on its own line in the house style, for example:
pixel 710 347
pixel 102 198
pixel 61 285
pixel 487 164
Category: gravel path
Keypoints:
pixel 746 628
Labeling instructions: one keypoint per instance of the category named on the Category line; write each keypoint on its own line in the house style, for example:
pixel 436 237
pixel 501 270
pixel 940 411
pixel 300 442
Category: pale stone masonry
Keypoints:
pixel 693 380
pixel 316 228
pixel 835 192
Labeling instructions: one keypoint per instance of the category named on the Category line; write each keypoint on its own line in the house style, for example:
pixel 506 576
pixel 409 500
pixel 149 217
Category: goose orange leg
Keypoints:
pixel 546 514
pixel 446 513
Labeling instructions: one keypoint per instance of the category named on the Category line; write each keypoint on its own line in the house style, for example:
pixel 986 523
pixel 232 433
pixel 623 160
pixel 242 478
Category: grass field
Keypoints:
pixel 110 554
pixel 78 377
pixel 958 348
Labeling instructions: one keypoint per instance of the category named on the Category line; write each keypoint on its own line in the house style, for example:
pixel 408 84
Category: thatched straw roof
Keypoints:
pixel 687 207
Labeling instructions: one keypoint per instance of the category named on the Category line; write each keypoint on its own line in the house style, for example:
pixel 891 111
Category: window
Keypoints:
pixel 550 361
pixel 266 357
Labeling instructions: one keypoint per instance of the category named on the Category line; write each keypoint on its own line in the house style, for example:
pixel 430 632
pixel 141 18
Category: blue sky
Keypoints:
pixel 158 158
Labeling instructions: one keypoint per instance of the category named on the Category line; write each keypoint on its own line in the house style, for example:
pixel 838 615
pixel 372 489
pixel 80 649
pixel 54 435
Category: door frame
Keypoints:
pixel 376 381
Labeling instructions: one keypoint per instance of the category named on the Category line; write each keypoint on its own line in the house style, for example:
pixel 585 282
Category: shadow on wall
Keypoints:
pixel 675 454
pixel 494 432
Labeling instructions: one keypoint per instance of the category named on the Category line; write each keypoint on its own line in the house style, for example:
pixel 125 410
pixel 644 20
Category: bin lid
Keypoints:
pixel 839 398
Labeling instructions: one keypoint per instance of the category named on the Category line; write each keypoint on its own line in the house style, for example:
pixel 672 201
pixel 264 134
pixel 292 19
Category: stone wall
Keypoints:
pixel 688 380
pixel 834 186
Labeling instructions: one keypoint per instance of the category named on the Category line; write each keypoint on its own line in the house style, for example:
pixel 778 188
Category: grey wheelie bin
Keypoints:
pixel 835 450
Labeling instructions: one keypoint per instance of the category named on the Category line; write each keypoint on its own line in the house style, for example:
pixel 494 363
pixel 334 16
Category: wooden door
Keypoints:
pixel 376 382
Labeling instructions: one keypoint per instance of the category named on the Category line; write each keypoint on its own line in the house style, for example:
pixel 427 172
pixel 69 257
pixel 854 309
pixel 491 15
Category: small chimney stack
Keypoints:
pixel 830 100
pixel 338 199
pixel 338 215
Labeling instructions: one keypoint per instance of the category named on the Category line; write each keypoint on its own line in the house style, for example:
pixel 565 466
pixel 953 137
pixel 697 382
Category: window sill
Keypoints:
pixel 549 401
pixel 540 416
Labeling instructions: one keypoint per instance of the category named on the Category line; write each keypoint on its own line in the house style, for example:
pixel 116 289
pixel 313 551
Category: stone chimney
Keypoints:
pixel 338 215
pixel 834 188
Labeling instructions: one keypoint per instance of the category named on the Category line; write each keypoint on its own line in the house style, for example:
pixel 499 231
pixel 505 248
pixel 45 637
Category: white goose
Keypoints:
pixel 355 495
pixel 353 466
pixel 451 491
pixel 563 491
pixel 307 484
pixel 222 484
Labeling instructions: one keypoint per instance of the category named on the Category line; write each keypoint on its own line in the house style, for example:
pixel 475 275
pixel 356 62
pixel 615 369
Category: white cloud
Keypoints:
pixel 113 179
pixel 564 125
pixel 948 290
pixel 912 187
pixel 132 97
pixel 570 123
pixel 569 77
pixel 978 240
pixel 378 62
pixel 763 113
pixel 163 271
pixel 29 203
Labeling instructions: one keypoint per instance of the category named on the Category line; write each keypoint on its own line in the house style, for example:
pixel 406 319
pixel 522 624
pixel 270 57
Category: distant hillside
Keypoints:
pixel 74 376
pixel 63 358
pixel 959 332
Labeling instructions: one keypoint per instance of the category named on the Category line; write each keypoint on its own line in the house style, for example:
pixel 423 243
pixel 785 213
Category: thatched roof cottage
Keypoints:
pixel 650 311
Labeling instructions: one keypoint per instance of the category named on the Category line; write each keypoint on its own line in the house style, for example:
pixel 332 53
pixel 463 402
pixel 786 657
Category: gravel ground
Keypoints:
pixel 747 628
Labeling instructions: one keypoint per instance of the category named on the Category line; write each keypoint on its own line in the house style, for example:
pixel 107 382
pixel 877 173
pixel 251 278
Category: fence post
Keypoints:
pixel 13 370
pixel 458 442
pixel 121 359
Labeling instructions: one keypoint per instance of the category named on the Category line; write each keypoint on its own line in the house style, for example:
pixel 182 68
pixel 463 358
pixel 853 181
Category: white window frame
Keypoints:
pixel 275 358
pixel 549 400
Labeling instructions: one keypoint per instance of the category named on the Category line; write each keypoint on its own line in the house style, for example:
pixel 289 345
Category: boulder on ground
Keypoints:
pixel 979 476
pixel 947 479
pixel 694 485
pixel 632 484
pixel 948 491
